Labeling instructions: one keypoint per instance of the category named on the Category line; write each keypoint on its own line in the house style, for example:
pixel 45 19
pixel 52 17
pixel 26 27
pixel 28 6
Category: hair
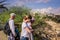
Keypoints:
pixel 29 16
pixel 25 17
pixel 12 14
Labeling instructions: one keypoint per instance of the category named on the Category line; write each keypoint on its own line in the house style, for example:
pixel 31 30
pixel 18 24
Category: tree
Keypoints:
pixel 2 5
pixel 19 11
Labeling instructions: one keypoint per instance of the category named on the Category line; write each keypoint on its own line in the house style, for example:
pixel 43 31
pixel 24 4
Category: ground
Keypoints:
pixel 2 36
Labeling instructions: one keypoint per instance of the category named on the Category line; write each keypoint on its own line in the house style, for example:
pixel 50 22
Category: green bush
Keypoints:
pixel 20 13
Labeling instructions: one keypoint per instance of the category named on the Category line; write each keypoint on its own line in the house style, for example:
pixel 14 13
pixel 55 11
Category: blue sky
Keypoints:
pixel 35 3
pixel 41 5
pixel 52 3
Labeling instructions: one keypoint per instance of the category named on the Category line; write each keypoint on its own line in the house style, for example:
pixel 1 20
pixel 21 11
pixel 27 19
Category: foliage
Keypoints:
pixel 2 5
pixel 39 26
pixel 55 18
pixel 20 13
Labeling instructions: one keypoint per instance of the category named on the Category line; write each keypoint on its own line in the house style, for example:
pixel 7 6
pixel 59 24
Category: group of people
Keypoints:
pixel 26 32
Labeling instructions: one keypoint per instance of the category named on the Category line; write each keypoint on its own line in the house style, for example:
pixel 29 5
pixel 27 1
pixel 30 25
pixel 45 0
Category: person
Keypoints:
pixel 17 33
pixel 25 30
pixel 32 19
pixel 12 27
pixel 30 27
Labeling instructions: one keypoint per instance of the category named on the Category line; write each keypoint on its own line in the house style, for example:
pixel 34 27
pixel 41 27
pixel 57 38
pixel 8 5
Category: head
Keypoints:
pixel 26 19
pixel 12 15
pixel 30 17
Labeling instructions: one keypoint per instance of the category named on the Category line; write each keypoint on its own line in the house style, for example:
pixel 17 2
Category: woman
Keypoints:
pixel 30 21
pixel 25 29
pixel 30 34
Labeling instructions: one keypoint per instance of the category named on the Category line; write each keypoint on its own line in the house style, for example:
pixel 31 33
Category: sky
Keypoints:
pixel 34 4
pixel 42 5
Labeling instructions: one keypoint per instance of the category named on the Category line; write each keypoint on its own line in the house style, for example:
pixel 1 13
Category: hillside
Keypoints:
pixel 51 23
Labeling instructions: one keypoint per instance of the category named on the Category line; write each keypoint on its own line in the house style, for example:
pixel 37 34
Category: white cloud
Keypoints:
pixel 36 1
pixel 18 3
pixel 23 2
pixel 48 10
pixel 51 10
pixel 15 3
pixel 44 1
pixel 56 10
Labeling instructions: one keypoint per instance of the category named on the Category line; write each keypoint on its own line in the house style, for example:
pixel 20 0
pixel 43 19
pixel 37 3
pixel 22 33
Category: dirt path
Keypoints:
pixel 2 36
pixel 54 25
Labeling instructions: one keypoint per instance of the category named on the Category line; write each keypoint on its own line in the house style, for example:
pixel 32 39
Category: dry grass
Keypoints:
pixel 2 36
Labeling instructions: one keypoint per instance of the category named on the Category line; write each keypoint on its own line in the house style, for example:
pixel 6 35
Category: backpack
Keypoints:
pixel 7 30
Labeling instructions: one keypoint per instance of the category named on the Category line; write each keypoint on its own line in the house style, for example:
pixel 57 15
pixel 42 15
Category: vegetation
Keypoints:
pixel 39 25
pixel 55 18
pixel 2 5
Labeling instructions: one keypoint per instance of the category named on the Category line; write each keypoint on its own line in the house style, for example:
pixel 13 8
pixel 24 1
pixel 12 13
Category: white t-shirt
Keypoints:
pixel 12 27
pixel 24 32
pixel 30 34
pixel 29 25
